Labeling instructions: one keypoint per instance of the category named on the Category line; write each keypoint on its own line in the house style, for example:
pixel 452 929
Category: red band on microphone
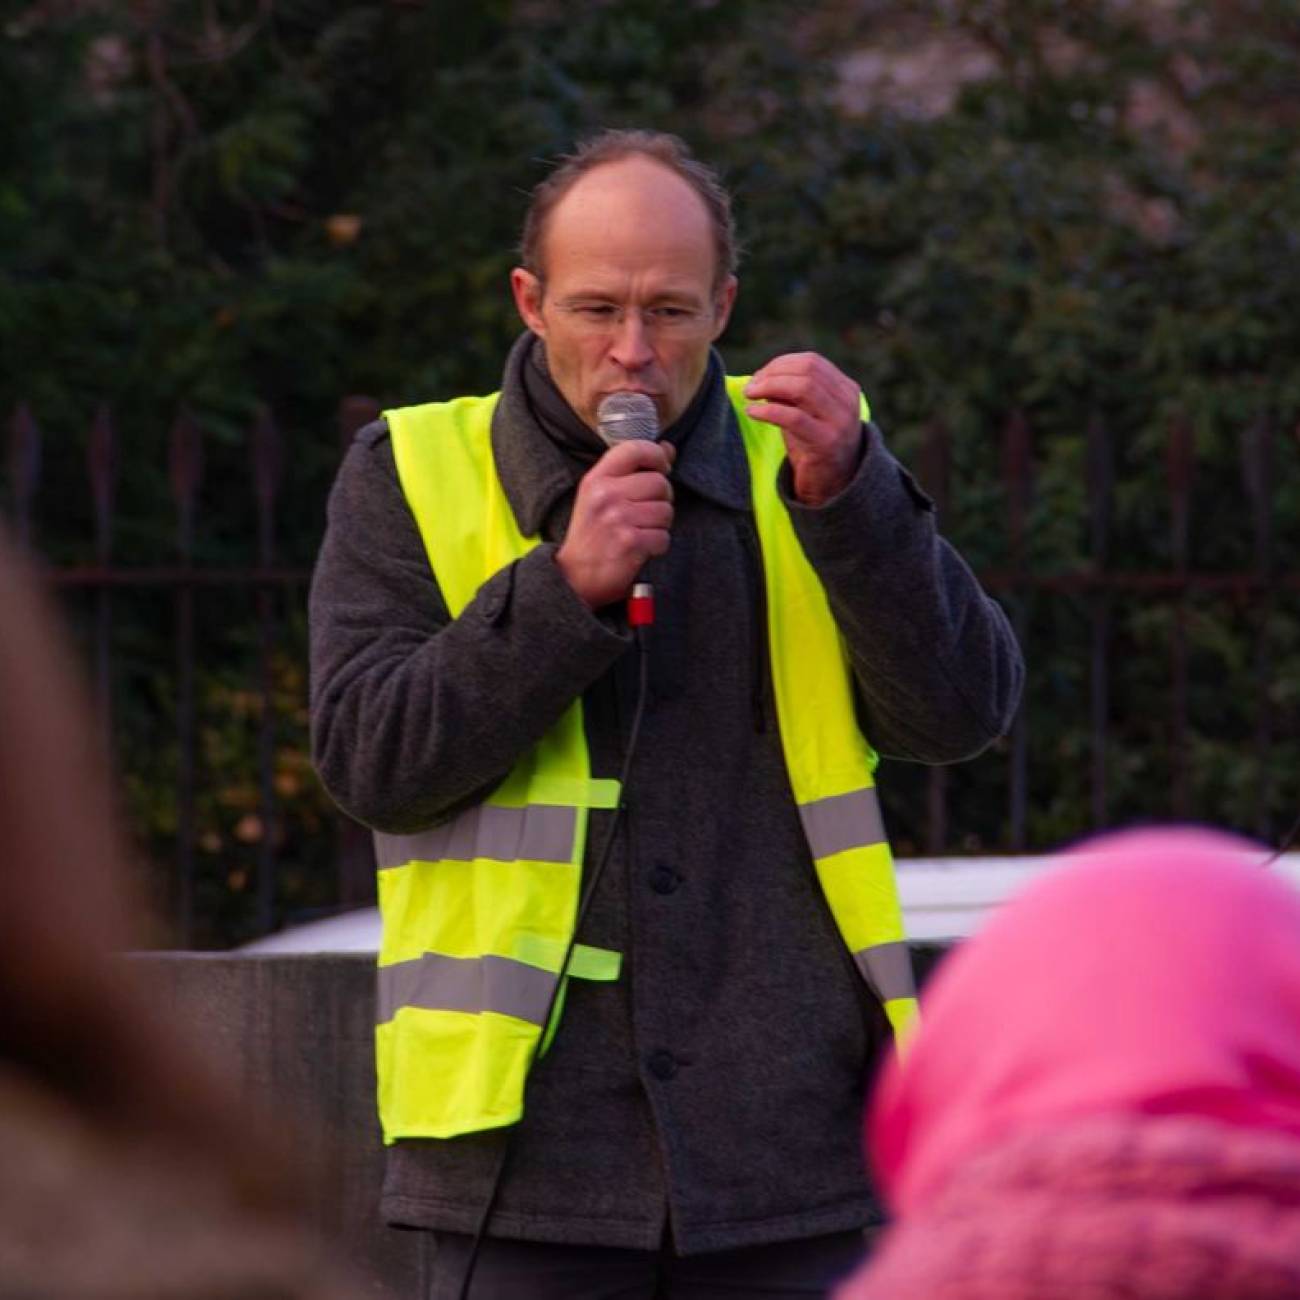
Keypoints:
pixel 641 605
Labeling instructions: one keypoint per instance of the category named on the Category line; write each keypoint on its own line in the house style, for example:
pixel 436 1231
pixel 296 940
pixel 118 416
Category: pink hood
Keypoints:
pixel 1154 972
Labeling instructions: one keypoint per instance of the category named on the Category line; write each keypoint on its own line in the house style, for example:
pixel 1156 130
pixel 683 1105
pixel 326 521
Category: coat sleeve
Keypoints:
pixel 938 670
pixel 413 713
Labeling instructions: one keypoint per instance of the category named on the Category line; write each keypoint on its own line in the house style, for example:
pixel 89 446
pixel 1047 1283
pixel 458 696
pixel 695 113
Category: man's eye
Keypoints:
pixel 669 313
pixel 595 310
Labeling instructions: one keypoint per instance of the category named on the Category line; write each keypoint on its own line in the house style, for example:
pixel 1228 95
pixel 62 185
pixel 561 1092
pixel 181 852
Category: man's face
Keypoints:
pixel 628 301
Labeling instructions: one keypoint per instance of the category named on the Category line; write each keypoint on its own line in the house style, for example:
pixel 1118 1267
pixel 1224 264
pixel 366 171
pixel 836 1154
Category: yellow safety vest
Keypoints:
pixel 478 911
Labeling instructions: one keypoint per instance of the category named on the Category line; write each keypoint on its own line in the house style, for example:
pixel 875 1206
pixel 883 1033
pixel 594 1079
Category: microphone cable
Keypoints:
pixel 640 637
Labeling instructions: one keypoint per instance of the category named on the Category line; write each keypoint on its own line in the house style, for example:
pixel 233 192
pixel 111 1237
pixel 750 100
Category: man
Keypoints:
pixel 694 1113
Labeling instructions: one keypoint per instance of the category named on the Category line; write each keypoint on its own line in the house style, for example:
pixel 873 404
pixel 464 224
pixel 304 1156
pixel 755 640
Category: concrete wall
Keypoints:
pixel 296 1033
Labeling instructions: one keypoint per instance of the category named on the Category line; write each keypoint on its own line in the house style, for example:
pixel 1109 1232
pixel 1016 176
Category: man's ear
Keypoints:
pixel 723 304
pixel 527 289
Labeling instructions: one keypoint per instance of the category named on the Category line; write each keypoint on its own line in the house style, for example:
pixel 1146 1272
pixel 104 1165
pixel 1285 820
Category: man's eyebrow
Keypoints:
pixel 678 295
pixel 685 296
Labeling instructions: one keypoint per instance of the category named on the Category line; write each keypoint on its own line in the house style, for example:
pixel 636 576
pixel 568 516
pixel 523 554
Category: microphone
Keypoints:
pixel 624 417
pixel 628 417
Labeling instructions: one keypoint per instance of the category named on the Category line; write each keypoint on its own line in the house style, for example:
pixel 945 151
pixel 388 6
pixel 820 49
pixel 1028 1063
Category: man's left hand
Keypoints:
pixel 818 410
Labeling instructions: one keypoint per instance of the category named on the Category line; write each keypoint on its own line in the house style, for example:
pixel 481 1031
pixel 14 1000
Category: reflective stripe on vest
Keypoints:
pixel 477 912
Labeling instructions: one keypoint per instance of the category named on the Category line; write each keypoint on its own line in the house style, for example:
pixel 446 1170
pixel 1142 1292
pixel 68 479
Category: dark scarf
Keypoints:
pixel 562 424
pixel 542 449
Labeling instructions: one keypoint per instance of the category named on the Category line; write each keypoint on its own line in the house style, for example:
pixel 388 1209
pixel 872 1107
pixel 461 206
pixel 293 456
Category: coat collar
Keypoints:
pixel 537 474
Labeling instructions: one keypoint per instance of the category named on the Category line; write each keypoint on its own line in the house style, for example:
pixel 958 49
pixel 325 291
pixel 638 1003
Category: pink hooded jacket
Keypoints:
pixel 1103 1099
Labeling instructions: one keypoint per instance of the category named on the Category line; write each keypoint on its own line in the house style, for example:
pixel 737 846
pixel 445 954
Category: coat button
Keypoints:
pixel 662 1065
pixel 664 880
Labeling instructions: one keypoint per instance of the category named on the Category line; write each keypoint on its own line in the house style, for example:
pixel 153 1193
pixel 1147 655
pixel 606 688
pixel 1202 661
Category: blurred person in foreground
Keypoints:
pixel 1103 1098
pixel 125 1169
pixel 474 685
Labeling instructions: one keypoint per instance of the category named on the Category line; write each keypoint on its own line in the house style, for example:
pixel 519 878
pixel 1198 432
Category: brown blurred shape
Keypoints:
pixel 129 1170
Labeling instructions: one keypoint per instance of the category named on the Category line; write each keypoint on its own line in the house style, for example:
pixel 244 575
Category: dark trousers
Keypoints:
pixel 527 1270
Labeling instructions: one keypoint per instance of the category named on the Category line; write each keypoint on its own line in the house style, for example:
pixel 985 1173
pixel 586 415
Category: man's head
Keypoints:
pixel 628 256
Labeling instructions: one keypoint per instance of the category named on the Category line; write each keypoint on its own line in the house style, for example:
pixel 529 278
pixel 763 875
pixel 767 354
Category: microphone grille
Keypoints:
pixel 622 417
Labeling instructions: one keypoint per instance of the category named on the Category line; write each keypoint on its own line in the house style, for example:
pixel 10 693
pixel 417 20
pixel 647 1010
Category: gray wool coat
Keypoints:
pixel 717 1088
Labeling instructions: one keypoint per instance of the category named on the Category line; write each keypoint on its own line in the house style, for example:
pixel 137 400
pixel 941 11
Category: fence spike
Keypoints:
pixel 936 463
pixel 1101 477
pixel 1017 479
pixel 355 412
pixel 1257 479
pixel 24 469
pixel 264 440
pixel 185 471
pixel 1180 468
pixel 101 465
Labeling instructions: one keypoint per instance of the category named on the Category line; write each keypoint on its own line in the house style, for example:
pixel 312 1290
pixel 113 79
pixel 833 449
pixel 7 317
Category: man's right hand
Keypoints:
pixel 621 517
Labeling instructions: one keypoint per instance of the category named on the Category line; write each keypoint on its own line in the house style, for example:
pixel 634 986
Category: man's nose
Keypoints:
pixel 630 346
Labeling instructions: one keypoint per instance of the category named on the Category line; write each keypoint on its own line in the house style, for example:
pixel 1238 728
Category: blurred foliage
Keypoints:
pixel 1086 214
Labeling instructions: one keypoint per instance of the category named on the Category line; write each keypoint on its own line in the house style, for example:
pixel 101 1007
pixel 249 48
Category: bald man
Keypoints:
pixel 635 976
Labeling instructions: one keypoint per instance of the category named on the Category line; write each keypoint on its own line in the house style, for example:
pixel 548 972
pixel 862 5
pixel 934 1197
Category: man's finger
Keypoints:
pixel 636 454
pixel 655 541
pixel 804 391
pixel 809 365
pixel 793 419
pixel 793 363
pixel 648 485
pixel 650 514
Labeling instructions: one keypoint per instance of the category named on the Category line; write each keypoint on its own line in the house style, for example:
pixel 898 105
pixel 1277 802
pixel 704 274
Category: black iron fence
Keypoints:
pixel 1093 591
pixel 182 583
pixel 933 810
